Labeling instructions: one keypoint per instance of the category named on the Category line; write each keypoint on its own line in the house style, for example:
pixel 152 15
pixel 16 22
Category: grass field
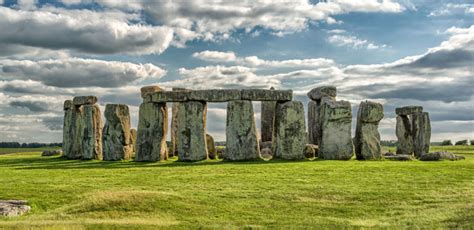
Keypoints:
pixel 68 194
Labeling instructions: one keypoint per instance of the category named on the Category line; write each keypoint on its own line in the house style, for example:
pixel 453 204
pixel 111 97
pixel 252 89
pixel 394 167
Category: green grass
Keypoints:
pixel 25 150
pixel 276 194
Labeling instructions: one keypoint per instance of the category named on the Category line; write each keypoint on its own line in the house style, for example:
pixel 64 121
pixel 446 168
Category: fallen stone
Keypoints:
pixel 48 153
pixel 191 136
pixel 437 156
pixel 84 100
pixel 211 147
pixel 323 91
pixel 290 136
pixel 92 137
pixel 220 152
pixel 335 142
pixel 389 154
pixel 367 137
pixel 267 95
pixel 408 110
pixel 146 91
pixel 311 151
pixel 267 117
pixel 266 154
pixel 403 131
pixel 151 133
pixel 13 208
pixel 400 157
pixel 241 133
pixel 116 134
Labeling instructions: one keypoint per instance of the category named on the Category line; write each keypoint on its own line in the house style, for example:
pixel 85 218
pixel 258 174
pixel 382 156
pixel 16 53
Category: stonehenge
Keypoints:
pixel 285 134
pixel 413 130
pixel 367 137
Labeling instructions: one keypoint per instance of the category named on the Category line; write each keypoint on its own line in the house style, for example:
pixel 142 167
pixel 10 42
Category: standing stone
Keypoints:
pixel 151 134
pixel 211 147
pixel 133 140
pixel 314 106
pixel 146 91
pixel 335 141
pixel 267 118
pixel 116 134
pixel 191 136
pixel 77 130
pixel 367 137
pixel 174 124
pixel 403 131
pixel 92 137
pixel 241 134
pixel 68 131
pixel 289 135
pixel 421 133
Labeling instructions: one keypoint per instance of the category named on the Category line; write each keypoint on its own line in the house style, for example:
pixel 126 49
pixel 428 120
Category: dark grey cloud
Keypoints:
pixel 33 106
pixel 443 59
pixel 53 123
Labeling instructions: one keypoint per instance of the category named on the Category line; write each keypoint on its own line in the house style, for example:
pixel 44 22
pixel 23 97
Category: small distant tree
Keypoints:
pixel 446 142
pixel 463 142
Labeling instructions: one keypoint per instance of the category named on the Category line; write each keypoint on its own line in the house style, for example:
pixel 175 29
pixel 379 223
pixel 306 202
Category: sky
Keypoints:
pixel 396 52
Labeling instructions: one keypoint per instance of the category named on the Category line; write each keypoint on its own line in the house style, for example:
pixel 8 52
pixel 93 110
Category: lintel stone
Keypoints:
pixel 267 95
pixel 84 100
pixel 408 110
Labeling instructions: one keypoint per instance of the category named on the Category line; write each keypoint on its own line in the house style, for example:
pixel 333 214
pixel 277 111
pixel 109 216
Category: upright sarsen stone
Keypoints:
pixel 151 133
pixel 116 135
pixel 68 129
pixel 191 136
pixel 367 137
pixel 403 130
pixel 335 141
pixel 241 134
pixel 267 118
pixel 289 139
pixel 426 132
pixel 92 137
pixel 421 133
pixel 314 106
pixel 174 124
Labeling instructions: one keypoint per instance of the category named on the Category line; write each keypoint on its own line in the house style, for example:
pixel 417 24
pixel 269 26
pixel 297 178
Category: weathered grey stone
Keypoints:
pixel 12 208
pixel 151 133
pixel 220 151
pixel 191 139
pixel 400 157
pixel 133 140
pixel 68 130
pixel 265 144
pixel 73 132
pixel 403 131
pixel 168 96
pixel 211 147
pixel 289 135
pixel 335 142
pixel 68 105
pixel 116 135
pixel 367 137
pixel 241 134
pixel 174 125
pixel 266 119
pixel 146 91
pixel 266 154
pixel 437 156
pixel 310 151
pixel 318 93
pixel 314 126
pixel 266 95
pixel 92 137
pixel 408 110
pixel 421 133
pixel 84 100
pixel 214 95
pixel 48 153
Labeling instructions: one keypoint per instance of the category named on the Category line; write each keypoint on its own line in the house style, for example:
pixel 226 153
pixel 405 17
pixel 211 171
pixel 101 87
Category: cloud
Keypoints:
pixel 340 39
pixel 452 8
pixel 78 72
pixel 84 30
pixel 215 56
pixel 33 106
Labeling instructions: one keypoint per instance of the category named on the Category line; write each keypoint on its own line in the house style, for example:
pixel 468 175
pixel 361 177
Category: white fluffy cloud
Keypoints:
pixel 78 72
pixel 353 42
pixel 452 8
pixel 81 30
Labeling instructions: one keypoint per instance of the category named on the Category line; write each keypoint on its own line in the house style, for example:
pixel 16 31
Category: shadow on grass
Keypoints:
pixel 62 163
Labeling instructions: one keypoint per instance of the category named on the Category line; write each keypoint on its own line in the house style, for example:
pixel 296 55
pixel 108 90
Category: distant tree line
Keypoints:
pixel 449 142
pixel 28 145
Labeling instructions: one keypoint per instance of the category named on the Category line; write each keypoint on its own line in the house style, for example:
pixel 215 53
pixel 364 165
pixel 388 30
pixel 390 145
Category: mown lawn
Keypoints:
pixel 277 194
